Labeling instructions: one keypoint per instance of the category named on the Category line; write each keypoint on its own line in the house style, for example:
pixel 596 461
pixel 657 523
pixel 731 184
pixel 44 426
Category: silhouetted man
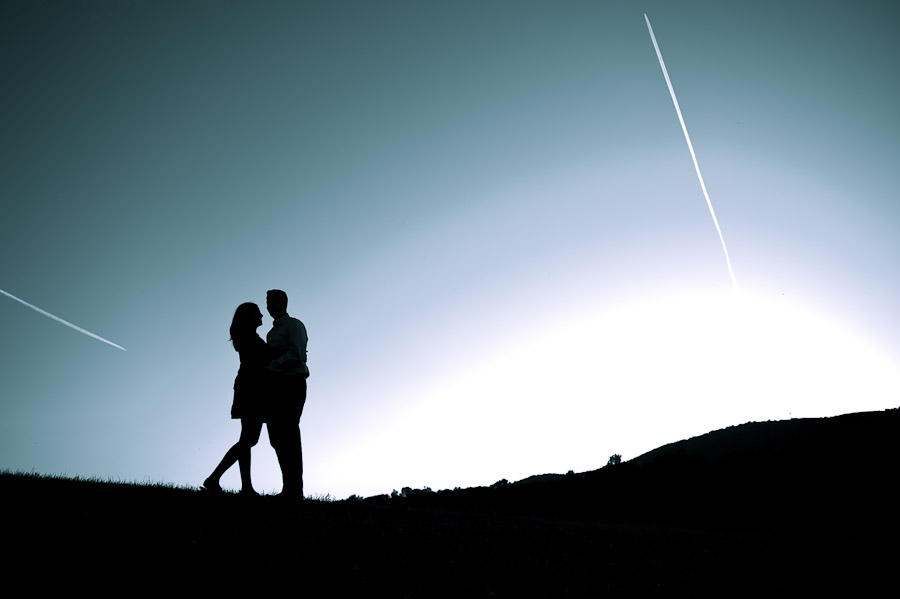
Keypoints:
pixel 289 373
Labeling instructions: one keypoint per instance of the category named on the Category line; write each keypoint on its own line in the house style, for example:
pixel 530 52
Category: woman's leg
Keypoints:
pixel 231 456
pixel 239 452
pixel 250 430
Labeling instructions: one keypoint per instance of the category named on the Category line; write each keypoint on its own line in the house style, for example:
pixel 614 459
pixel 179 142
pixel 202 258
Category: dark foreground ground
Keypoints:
pixel 114 538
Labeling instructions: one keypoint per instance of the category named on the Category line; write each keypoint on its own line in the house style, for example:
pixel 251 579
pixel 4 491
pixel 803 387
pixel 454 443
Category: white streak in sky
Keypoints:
pixel 687 138
pixel 65 322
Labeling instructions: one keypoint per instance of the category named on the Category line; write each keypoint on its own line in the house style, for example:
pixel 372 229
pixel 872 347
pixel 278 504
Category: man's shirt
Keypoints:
pixel 288 339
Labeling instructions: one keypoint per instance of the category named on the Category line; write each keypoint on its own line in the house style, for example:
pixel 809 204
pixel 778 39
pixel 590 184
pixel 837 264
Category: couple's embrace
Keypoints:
pixel 270 388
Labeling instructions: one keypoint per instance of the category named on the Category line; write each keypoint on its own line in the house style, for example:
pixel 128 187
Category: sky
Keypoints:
pixel 484 212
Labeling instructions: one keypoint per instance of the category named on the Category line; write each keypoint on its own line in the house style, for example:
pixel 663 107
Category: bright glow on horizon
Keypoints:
pixel 626 381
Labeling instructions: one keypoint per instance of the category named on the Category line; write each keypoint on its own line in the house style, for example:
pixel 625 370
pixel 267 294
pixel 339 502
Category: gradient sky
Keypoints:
pixel 484 212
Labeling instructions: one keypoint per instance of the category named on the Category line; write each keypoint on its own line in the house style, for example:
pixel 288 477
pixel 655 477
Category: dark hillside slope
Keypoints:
pixel 804 474
pixel 802 506
pixel 105 539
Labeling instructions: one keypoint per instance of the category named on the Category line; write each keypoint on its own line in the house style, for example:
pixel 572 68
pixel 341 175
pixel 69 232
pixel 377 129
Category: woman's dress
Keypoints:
pixel 252 379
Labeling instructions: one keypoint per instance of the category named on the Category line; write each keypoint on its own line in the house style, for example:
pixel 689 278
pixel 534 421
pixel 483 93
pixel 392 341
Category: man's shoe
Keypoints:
pixel 289 497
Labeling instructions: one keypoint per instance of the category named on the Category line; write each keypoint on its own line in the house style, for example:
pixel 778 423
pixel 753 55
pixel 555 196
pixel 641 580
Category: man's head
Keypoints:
pixel 276 302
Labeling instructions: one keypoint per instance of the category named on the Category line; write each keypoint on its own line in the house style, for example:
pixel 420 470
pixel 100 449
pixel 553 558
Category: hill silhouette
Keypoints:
pixel 797 506
pixel 799 475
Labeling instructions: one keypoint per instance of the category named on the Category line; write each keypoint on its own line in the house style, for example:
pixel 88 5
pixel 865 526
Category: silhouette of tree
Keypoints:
pixel 614 460
pixel 407 492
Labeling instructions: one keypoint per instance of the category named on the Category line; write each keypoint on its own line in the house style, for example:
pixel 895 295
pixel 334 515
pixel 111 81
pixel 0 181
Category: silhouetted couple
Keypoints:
pixel 270 388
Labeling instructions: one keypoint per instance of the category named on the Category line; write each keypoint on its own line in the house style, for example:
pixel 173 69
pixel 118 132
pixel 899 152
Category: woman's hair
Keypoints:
pixel 243 325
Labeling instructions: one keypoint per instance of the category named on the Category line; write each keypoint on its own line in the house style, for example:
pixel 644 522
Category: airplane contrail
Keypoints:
pixel 65 322
pixel 687 138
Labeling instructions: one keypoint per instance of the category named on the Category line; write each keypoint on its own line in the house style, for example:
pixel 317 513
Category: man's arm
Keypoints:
pixel 293 359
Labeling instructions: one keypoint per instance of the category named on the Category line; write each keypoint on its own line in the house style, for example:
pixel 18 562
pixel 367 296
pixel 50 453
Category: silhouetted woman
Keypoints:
pixel 249 394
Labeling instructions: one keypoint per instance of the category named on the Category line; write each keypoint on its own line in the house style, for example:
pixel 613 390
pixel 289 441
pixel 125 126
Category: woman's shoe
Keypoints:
pixel 211 485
